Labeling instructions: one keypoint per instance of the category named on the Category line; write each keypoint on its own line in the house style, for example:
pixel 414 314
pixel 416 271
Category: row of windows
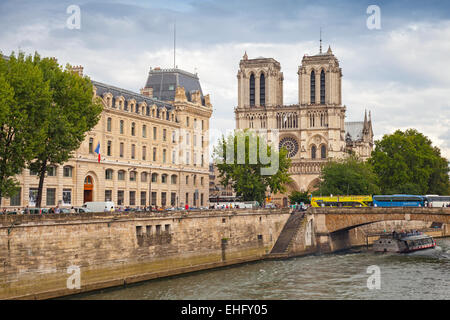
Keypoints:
pixel 316 119
pixel 52 171
pixel 287 120
pixel 195 124
pixel 109 173
pixel 133 128
pixel 313 87
pixel 67 197
pixel 196 159
pixel 132 201
pixel 155 112
pixel 323 152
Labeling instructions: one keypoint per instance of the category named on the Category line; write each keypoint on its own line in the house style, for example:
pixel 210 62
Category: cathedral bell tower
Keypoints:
pixel 319 80
pixel 260 82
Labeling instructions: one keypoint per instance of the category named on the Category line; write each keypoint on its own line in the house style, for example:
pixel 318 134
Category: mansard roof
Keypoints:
pixel 165 81
pixel 128 95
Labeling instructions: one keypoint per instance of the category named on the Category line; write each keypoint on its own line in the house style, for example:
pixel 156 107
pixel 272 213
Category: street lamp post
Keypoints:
pixel 150 189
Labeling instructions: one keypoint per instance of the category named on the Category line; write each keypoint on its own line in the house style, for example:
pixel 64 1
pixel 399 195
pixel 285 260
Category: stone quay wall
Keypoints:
pixel 42 256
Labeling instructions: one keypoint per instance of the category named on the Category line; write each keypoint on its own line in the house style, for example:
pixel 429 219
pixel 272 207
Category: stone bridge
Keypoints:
pixel 332 225
pixel 333 229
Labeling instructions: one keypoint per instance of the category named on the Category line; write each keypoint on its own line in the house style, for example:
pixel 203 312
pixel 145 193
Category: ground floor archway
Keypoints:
pixel 88 191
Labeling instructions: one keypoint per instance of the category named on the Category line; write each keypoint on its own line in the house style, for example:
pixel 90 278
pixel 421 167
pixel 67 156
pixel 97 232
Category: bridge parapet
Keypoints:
pixel 378 210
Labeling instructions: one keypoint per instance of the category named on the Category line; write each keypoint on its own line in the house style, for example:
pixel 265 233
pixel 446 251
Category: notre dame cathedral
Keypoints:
pixel 313 130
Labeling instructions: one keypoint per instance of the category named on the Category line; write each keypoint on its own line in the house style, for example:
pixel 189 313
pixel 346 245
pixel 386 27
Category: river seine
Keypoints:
pixel 420 275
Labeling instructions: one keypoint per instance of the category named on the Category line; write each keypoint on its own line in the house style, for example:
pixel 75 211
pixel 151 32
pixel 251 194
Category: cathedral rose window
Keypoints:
pixel 291 145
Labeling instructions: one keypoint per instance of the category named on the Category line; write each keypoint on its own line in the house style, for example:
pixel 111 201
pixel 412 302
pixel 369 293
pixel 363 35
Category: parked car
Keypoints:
pixel 37 211
pixel 81 210
pixel 99 206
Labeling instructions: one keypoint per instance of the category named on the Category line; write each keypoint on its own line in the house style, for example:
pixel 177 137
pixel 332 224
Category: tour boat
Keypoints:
pixel 403 242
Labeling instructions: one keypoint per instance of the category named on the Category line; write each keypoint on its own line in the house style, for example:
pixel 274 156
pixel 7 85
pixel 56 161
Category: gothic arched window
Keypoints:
pixel 322 87
pixel 323 152
pixel 252 89
pixel 313 152
pixel 313 87
pixel 262 90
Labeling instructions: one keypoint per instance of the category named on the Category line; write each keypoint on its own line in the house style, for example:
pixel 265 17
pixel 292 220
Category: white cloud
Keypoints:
pixel 402 75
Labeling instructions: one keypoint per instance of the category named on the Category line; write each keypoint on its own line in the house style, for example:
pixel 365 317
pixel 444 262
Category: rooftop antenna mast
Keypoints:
pixel 174 42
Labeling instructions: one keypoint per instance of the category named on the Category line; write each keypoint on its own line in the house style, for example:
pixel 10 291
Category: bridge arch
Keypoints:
pixel 334 220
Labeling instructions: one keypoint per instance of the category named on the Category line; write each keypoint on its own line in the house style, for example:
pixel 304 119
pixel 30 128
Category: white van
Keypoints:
pixel 99 206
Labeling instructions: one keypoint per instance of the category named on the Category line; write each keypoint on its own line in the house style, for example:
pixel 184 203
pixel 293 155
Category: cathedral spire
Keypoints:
pixel 329 50
pixel 320 40
pixel 245 56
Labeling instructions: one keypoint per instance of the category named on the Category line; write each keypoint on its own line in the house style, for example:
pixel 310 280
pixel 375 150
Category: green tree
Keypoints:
pixel 298 197
pixel 349 176
pixel 406 162
pixel 23 93
pixel 253 171
pixel 71 113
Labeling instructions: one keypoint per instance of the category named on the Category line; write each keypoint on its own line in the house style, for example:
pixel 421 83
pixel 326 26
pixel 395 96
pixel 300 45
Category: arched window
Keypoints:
pixel 173 179
pixel 121 126
pixel 262 90
pixel 133 128
pixel 144 177
pixel 323 152
pixel 108 124
pixel 109 174
pixel 313 152
pixel 67 171
pixel 322 87
pixel 313 87
pixel 154 177
pixel 252 89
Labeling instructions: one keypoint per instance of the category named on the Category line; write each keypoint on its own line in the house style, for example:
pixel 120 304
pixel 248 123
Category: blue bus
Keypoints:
pixel 399 200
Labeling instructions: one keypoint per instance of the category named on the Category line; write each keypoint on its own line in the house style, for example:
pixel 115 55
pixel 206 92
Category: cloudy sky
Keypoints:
pixel 401 72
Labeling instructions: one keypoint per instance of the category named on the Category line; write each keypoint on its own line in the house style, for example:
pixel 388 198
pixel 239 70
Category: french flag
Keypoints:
pixel 97 151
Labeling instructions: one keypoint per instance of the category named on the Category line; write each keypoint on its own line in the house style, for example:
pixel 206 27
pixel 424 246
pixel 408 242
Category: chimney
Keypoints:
pixel 196 97
pixel 78 69
pixel 147 92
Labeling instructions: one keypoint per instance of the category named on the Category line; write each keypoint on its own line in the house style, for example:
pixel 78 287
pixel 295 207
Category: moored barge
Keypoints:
pixel 403 242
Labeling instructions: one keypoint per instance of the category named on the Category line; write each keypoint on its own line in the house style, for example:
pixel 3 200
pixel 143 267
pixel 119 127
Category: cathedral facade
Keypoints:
pixel 314 130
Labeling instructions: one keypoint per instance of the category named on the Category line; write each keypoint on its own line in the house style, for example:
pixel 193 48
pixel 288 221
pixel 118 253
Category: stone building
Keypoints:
pixel 153 146
pixel 314 130
pixel 217 192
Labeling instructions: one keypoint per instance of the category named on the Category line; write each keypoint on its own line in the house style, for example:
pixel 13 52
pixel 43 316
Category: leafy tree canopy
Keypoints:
pixel 406 162
pixel 349 176
pixel 298 197
pixel 23 95
pixel 71 112
pixel 255 168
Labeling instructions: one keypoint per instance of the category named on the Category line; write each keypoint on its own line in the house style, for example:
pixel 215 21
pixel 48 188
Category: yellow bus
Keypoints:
pixel 342 201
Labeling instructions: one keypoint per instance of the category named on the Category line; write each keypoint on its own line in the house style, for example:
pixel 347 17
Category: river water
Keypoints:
pixel 420 275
